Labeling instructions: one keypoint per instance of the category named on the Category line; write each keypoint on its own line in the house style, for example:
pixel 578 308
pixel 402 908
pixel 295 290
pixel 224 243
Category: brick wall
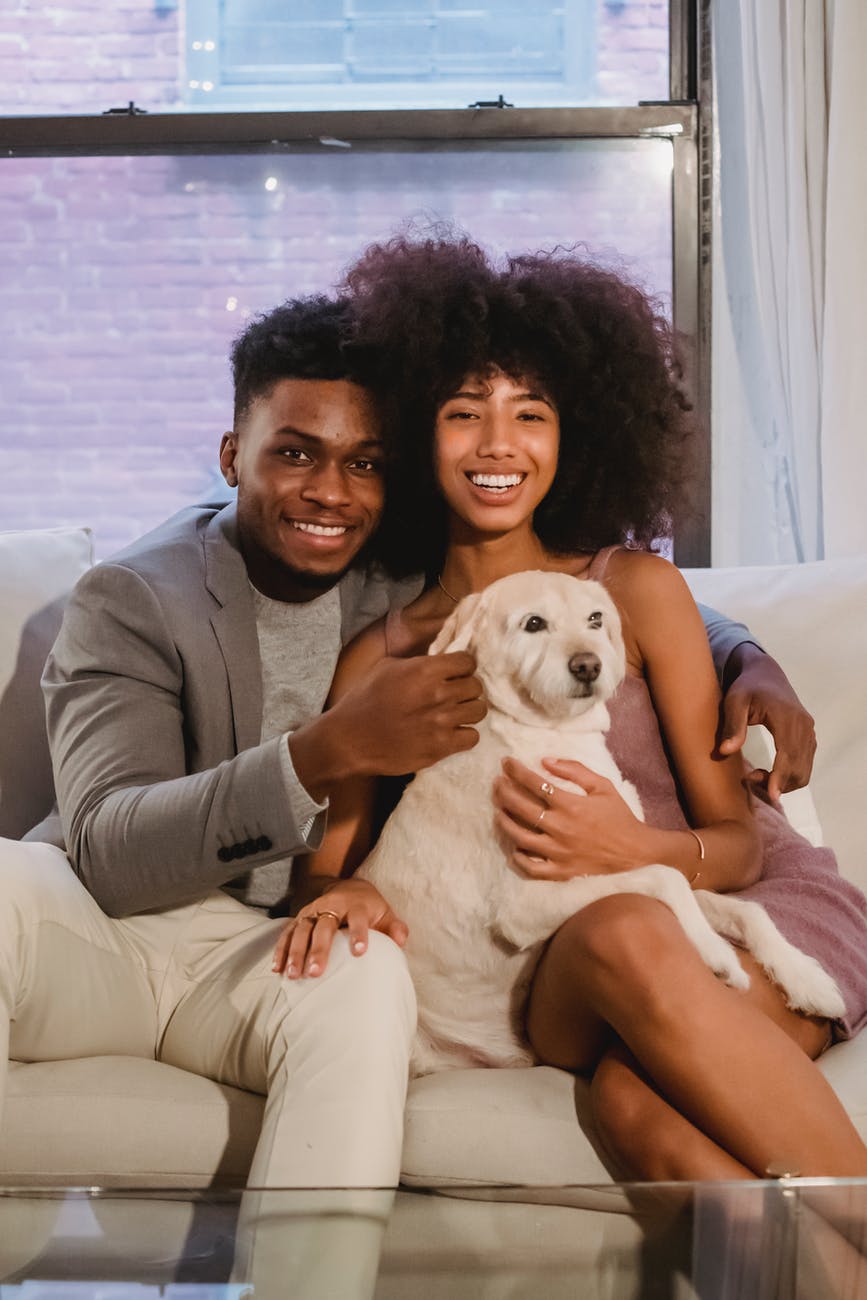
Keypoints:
pixel 126 278
pixel 83 56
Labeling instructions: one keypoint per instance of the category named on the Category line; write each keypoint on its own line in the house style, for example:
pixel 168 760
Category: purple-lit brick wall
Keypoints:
pixel 83 56
pixel 126 279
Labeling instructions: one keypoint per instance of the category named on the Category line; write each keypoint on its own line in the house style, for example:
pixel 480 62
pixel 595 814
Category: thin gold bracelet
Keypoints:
pixel 700 842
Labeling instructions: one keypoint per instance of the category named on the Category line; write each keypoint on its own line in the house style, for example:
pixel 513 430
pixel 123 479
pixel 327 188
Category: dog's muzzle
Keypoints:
pixel 585 667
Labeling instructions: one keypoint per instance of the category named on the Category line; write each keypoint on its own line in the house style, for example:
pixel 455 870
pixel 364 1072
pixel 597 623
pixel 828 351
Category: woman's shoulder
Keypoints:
pixel 404 631
pixel 643 575
pixel 359 655
pixel 654 600
pixel 410 630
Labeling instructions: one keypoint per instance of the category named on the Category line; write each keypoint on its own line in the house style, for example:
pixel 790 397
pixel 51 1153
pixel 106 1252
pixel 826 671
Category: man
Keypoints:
pixel 193 760
pixel 184 697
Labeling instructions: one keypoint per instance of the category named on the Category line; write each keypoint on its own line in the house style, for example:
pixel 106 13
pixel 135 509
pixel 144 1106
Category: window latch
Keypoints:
pixel 131 110
pixel 491 103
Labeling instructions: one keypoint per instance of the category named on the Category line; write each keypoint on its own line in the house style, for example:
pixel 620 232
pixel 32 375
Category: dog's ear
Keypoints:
pixel 457 631
pixel 614 628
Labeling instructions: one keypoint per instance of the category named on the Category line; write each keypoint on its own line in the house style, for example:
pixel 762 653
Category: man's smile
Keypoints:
pixel 320 530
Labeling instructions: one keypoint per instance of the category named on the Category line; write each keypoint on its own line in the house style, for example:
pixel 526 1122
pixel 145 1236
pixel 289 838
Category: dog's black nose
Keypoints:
pixel 585 667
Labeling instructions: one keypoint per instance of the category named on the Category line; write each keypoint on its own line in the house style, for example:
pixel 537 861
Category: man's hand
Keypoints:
pixel 404 715
pixel 305 941
pixel 759 693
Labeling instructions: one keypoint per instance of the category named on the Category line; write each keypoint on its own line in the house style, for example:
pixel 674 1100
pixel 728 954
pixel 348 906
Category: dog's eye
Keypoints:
pixel 535 623
pixel 595 619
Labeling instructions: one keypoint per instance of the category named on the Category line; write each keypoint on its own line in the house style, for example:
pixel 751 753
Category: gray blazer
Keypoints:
pixel 154 712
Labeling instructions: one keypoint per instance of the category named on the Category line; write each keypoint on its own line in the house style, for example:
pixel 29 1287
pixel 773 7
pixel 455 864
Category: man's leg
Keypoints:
pixel 70 986
pixel 332 1055
pixel 70 983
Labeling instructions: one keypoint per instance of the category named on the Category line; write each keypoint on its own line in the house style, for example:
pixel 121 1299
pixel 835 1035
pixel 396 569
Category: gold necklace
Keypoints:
pixel 454 599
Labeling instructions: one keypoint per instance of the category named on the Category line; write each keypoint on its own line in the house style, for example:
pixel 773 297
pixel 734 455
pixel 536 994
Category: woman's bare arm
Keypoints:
pixel 666 631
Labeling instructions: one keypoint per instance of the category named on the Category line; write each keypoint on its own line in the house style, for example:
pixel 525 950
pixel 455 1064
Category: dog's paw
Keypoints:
pixel 808 987
pixel 723 961
pixel 734 975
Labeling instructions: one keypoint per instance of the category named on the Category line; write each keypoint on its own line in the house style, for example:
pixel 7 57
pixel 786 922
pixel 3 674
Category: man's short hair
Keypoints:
pixel 304 338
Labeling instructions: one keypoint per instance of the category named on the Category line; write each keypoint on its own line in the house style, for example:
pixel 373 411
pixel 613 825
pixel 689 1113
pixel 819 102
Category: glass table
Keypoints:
pixel 786 1239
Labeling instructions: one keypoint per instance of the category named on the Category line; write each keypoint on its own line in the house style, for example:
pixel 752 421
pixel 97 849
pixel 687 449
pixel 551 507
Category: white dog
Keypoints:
pixel 550 654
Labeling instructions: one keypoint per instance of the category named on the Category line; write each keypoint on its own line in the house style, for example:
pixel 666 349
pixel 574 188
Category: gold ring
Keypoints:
pixel 547 789
pixel 325 912
pixel 539 819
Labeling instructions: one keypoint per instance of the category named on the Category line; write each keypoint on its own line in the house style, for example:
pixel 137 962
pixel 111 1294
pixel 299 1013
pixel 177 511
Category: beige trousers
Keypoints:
pixel 193 986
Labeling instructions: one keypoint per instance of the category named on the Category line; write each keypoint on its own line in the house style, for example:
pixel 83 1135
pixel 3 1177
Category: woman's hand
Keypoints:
pixel 305 942
pixel 760 693
pixel 556 834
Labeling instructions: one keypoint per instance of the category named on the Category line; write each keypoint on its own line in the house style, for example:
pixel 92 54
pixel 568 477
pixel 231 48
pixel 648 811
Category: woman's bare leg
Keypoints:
pixel 649 1140
pixel 644 1136
pixel 731 1068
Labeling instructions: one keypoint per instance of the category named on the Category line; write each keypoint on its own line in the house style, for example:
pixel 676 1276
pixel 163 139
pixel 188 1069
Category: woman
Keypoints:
pixel 549 430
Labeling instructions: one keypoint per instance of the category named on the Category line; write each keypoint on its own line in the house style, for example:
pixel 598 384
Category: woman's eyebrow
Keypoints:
pixel 476 393
pixel 481 393
pixel 530 396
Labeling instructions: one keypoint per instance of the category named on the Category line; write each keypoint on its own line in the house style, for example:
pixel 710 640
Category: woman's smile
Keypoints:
pixel 496 482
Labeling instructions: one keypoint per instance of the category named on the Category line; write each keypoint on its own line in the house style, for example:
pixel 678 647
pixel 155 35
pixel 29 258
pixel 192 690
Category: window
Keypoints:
pixel 135 245
pixel 167 55
pixel 387 52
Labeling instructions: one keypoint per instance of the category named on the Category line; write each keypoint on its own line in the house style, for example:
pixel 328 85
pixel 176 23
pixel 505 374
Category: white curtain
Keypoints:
pixel 790 279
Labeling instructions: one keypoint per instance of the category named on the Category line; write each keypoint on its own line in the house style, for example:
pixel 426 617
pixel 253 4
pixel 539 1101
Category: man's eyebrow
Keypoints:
pixel 289 431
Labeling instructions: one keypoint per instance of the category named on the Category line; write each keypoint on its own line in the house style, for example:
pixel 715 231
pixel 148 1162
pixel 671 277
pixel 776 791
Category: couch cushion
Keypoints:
pixel 124 1121
pixel 811 617
pixel 845 1068
pixel 37 568
pixel 500 1126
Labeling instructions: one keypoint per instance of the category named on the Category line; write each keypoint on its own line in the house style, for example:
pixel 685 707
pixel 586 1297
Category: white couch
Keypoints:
pixel 124 1121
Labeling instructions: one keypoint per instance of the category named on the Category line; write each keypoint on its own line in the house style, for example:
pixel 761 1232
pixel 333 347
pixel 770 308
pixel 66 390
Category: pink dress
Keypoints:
pixel 801 888
pixel 816 908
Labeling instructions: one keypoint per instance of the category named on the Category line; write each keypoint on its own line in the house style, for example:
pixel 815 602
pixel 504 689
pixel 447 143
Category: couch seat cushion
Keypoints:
pixel 500 1126
pixel 124 1121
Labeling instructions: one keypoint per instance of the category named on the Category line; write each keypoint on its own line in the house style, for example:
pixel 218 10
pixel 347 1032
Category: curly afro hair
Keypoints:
pixel 432 311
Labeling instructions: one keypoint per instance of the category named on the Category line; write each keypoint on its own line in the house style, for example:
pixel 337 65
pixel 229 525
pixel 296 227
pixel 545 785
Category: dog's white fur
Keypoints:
pixel 477 925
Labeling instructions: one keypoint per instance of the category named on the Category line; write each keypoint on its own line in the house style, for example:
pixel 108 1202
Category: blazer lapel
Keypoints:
pixel 234 624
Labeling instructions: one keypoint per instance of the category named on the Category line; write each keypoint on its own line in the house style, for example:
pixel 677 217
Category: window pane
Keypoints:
pixel 304 54
pixel 125 280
